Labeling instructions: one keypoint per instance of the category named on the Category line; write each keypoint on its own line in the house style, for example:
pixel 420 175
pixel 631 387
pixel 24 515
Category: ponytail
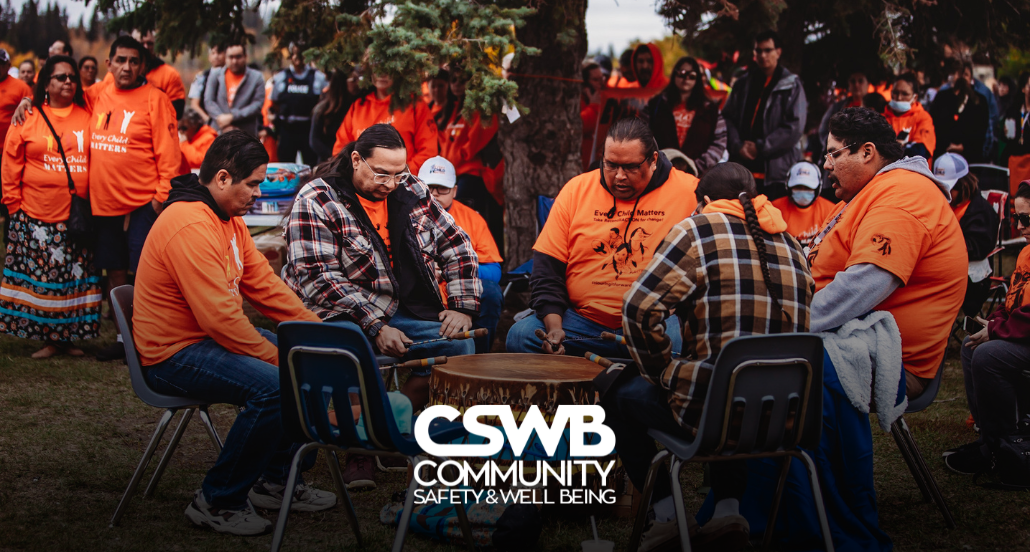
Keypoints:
pixel 759 236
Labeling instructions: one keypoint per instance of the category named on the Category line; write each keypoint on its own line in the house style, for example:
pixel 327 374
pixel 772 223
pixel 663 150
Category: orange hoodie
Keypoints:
pixel 917 123
pixel 194 150
pixel 461 142
pixel 658 79
pixel 193 275
pixel 135 151
pixel 414 123
pixel 34 178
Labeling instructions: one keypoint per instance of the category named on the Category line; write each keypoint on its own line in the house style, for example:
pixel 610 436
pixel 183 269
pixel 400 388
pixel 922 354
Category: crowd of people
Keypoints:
pixel 703 219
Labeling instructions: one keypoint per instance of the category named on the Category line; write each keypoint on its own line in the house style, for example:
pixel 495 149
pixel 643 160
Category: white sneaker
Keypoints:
pixel 267 496
pixel 244 523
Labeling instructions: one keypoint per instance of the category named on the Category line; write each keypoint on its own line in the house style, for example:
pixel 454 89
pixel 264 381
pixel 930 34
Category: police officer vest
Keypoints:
pixel 299 98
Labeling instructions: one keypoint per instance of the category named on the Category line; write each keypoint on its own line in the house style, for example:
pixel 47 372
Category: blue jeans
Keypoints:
pixel 254 447
pixel 490 306
pixel 637 406
pixel 417 329
pixel 521 338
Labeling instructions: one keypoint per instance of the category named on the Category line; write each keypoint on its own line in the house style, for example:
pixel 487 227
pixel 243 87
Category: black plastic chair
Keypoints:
pixel 910 452
pixel 323 362
pixel 121 299
pixel 764 400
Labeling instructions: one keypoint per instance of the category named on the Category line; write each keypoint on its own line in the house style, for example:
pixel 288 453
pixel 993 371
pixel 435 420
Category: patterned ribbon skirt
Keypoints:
pixel 50 290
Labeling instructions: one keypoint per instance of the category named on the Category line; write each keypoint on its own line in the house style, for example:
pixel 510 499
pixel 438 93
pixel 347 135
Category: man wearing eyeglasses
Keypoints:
pixel 765 118
pixel 603 229
pixel 892 243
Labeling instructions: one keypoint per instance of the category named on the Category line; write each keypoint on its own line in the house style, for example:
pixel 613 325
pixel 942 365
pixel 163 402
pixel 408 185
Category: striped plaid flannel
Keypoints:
pixel 333 264
pixel 707 269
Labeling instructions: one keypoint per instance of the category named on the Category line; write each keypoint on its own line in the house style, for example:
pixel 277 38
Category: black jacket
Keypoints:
pixel 979 228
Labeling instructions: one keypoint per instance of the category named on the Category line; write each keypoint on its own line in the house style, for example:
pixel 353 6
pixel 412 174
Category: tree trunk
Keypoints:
pixel 542 149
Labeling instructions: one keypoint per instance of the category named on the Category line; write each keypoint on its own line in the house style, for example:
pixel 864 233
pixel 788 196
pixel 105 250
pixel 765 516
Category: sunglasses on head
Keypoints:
pixel 1022 218
pixel 63 77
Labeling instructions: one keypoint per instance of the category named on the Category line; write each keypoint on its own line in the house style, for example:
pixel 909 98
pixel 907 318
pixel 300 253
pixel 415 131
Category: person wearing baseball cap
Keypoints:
pixel 979 223
pixel 804 210
pixel 439 175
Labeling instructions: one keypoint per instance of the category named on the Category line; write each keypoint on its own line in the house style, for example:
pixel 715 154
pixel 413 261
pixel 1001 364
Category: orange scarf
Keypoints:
pixel 769 217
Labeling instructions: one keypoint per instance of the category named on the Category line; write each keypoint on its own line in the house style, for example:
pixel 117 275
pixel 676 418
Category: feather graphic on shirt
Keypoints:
pixel 125 121
pixel 79 139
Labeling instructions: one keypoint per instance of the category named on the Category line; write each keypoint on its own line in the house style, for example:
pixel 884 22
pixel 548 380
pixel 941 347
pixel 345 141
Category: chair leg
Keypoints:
pixel 770 527
pixel 906 452
pixel 291 487
pixel 172 444
pixel 143 463
pixel 402 525
pixel 645 499
pixel 931 483
pixel 817 496
pixel 677 501
pixel 211 431
pixel 341 490
pixel 463 522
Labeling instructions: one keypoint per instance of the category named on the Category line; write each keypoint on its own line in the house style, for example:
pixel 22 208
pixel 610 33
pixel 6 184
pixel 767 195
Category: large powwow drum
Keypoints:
pixel 522 381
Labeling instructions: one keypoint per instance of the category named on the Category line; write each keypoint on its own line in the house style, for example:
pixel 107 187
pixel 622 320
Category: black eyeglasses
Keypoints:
pixel 63 77
pixel 690 75
pixel 629 168
pixel 1022 218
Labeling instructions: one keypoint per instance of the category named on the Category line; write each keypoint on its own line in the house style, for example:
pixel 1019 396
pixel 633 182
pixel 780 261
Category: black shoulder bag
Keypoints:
pixel 80 216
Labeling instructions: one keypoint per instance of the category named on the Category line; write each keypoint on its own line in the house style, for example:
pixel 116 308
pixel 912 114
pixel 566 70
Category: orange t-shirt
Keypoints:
pixel 194 150
pixel 166 79
pixel 135 150
pixel 232 84
pixel 414 123
pixel 914 126
pixel 902 223
pixel 1016 296
pixel 193 275
pixel 683 118
pixel 34 177
pixel 479 234
pixel 460 143
pixel 12 90
pixel 804 224
pixel 377 213
pixel 602 255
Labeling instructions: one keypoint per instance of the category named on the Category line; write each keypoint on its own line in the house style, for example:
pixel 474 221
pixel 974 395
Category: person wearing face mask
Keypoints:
pixel 803 210
pixel 858 87
pixel 961 117
pixel 906 115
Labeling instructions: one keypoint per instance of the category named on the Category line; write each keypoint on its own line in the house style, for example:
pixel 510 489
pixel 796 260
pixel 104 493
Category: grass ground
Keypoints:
pixel 72 431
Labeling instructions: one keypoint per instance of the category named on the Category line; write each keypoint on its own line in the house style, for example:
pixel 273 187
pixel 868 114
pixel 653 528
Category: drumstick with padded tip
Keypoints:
pixel 598 359
pixel 417 363
pixel 480 332
pixel 606 336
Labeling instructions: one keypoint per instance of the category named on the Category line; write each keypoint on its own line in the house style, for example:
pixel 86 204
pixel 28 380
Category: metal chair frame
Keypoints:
pixel 122 301
pixel 712 443
pixel 301 400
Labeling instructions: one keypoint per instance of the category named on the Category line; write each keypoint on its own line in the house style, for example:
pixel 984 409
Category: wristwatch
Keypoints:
pixel 374 328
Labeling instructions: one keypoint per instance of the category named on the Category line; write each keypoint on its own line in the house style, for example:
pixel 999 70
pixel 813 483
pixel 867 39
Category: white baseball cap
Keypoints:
pixel 804 174
pixel 437 171
pixel 949 168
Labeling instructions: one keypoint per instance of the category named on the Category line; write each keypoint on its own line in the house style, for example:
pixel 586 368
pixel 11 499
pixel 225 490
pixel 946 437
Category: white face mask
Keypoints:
pixel 803 198
pixel 900 107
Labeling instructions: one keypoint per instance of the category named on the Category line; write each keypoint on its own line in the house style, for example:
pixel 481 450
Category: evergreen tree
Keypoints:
pixel 96 27
pixel 8 23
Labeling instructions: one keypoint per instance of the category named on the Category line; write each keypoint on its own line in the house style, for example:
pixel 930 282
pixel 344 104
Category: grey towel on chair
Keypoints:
pixel 861 348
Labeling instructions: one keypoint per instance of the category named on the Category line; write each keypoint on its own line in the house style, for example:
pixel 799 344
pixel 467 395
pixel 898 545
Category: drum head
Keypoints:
pixel 520 368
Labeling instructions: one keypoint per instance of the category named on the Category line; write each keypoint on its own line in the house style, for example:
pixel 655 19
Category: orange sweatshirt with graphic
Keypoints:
pixel 33 174
pixel 135 150
pixel 193 275
pixel 12 90
pixel 460 143
pixel 194 150
pixel 416 125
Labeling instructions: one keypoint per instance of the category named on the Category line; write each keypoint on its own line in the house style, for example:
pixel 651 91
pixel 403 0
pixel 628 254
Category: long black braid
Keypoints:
pixel 759 236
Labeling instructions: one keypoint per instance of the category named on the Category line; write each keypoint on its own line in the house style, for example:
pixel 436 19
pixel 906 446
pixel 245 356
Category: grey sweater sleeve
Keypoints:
pixel 851 294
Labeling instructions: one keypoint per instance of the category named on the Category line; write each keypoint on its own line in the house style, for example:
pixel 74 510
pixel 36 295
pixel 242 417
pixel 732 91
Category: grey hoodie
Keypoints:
pixel 861 287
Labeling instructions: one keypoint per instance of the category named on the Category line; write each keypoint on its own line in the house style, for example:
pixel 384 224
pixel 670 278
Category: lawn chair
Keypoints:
pixel 518 280
pixel 121 300
pixel 910 452
pixel 319 363
pixel 764 400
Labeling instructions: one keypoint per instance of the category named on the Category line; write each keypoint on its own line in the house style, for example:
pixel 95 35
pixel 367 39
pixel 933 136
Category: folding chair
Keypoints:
pixel 910 452
pixel 121 299
pixel 518 279
pixel 319 363
pixel 764 400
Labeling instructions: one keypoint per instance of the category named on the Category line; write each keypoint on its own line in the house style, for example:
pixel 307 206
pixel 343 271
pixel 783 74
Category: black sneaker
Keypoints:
pixel 967 460
pixel 114 351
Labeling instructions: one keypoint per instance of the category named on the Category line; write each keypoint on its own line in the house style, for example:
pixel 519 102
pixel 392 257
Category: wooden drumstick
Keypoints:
pixel 417 363
pixel 596 358
pixel 480 332
pixel 609 336
pixel 606 336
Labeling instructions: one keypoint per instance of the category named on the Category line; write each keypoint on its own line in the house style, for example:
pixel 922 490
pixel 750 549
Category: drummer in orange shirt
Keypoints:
pixel 803 209
pixel 438 174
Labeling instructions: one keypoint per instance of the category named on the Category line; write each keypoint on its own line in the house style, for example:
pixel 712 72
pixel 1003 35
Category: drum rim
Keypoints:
pixel 585 370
